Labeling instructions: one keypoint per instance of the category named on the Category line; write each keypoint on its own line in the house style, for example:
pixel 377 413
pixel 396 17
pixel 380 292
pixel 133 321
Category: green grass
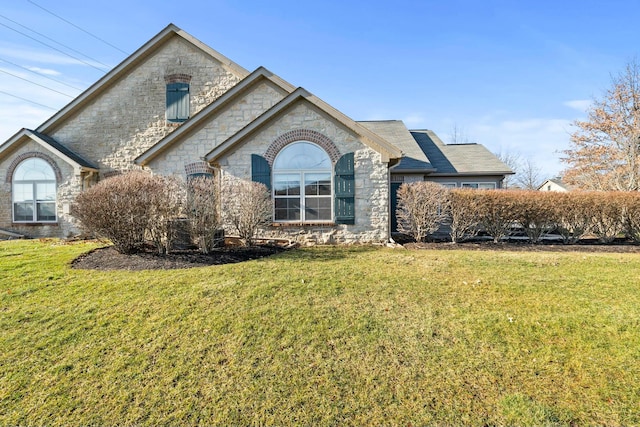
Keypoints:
pixel 322 336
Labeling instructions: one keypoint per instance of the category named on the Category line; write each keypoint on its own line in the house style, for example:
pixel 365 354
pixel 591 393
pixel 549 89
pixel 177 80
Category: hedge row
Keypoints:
pixel 572 215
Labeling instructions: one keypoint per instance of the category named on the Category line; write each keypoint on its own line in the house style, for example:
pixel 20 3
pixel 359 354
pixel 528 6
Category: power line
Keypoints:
pixel 54 48
pixel 34 83
pixel 74 25
pixel 55 41
pixel 28 100
pixel 40 74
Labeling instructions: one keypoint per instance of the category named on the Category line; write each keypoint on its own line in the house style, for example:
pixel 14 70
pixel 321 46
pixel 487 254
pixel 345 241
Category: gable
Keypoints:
pixel 302 110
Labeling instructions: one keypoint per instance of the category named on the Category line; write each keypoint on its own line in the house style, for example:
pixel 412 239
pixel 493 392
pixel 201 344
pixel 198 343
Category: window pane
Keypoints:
pixel 287 209
pixel 317 208
pixel 303 156
pixel 46 191
pixel 286 185
pixel 23 211
pixel 317 184
pixel 34 169
pixel 23 192
pixel 46 211
pixel 487 186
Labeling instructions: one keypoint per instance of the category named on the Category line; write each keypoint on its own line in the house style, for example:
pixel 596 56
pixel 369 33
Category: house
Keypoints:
pixel 178 107
pixel 554 184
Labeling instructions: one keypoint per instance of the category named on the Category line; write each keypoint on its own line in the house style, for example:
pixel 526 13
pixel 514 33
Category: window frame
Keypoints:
pixel 300 175
pixel 35 202
pixel 478 185
pixel 173 110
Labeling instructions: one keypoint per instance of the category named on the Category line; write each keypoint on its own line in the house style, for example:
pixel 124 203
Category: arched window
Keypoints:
pixel 34 191
pixel 302 184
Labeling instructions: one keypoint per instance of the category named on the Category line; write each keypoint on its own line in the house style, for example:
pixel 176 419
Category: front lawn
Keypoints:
pixel 322 336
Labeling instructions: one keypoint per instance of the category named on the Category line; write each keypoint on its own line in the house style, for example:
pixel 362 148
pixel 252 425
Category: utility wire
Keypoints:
pixel 54 48
pixel 40 74
pixel 28 100
pixel 34 83
pixel 55 41
pixel 74 25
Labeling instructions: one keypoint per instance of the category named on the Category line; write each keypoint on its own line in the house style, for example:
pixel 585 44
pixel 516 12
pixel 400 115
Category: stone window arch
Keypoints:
pixel 302 135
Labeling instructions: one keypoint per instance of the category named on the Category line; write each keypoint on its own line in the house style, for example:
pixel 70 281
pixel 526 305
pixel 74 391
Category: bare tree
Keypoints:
pixel 459 135
pixel 247 207
pixel 529 176
pixel 605 149
pixel 513 160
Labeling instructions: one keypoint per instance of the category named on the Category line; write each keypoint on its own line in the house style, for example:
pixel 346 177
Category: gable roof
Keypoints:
pixel 557 181
pixel 50 144
pixel 458 159
pixel 201 118
pixel 131 62
pixel 388 151
pixel 395 132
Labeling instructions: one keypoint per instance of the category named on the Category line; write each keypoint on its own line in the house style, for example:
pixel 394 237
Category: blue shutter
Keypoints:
pixel 345 190
pixel 260 170
pixel 177 102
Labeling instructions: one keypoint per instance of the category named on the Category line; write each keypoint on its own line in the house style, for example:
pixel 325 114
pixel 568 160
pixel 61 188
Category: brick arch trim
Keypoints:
pixel 302 135
pixel 29 155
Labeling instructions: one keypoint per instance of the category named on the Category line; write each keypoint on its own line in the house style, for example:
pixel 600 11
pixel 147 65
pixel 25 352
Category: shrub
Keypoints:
pixel 631 203
pixel 422 208
pixel 202 211
pixel 532 210
pixel 247 207
pixel 607 212
pixel 121 208
pixel 463 214
pixel 571 213
pixel 496 212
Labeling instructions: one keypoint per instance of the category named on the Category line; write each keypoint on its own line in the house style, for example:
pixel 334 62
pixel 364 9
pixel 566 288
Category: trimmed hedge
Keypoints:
pixel 571 216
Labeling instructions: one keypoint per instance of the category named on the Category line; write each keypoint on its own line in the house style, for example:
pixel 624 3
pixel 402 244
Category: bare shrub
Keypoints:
pixel 202 211
pixel 247 207
pixel 497 212
pixel 422 208
pixel 463 214
pixel 631 202
pixel 571 214
pixel 607 212
pixel 118 209
pixel 165 198
pixel 532 210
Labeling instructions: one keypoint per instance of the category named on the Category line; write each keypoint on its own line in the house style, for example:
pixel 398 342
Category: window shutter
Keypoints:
pixel 260 170
pixel 345 190
pixel 177 102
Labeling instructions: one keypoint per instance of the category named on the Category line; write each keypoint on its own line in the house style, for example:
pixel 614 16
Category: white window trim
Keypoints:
pixel 302 195
pixel 35 219
pixel 478 185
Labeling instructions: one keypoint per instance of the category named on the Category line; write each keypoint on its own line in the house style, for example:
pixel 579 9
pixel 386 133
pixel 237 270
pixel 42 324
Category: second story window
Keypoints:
pixel 177 102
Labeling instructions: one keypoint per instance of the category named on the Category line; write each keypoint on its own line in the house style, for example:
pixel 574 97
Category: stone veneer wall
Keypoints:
pixel 225 124
pixel 67 188
pixel 371 178
pixel 129 117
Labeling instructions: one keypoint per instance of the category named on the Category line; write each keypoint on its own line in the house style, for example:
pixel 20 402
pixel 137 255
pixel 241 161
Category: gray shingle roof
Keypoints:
pixel 395 132
pixel 458 158
pixel 64 150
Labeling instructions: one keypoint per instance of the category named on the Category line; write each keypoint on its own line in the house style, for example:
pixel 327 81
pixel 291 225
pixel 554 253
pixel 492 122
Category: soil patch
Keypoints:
pixel 108 258
pixel 587 246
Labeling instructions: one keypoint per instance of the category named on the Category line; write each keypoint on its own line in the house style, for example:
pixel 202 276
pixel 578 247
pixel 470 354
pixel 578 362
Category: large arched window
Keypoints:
pixel 302 184
pixel 34 191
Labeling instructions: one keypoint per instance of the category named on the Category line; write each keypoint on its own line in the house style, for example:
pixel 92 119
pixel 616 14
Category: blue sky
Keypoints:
pixel 512 75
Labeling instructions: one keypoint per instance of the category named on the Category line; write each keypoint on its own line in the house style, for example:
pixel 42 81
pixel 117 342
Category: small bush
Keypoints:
pixel 463 214
pixel 121 208
pixel 532 210
pixel 571 213
pixel 247 207
pixel 422 208
pixel 497 212
pixel 202 211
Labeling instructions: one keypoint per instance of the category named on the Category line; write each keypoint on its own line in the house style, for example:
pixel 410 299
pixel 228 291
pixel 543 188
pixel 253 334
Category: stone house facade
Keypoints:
pixel 176 107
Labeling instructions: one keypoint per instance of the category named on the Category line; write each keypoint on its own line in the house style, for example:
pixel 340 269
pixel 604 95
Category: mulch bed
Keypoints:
pixel 109 259
pixel 583 246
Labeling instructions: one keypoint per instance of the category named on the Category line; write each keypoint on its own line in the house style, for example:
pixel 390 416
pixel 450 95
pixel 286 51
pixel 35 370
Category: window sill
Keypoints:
pixel 303 224
pixel 34 224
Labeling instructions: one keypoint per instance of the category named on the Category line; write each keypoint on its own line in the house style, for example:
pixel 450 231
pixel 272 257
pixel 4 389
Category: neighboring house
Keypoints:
pixel 554 184
pixel 178 107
